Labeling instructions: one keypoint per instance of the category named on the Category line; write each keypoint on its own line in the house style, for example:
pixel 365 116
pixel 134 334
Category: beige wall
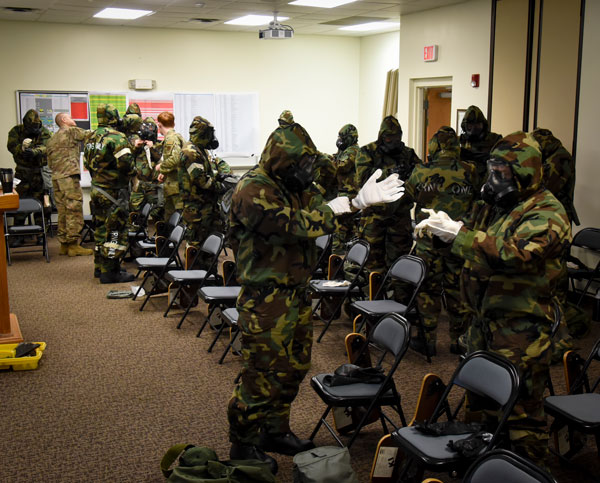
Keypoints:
pixel 317 77
pixel 587 200
pixel 378 54
pixel 462 33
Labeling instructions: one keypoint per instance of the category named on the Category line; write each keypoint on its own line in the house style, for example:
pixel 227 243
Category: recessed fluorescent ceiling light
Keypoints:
pixel 321 3
pixel 122 13
pixel 363 27
pixel 254 20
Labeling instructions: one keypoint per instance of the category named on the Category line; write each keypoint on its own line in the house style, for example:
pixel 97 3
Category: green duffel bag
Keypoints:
pixel 198 464
pixel 327 464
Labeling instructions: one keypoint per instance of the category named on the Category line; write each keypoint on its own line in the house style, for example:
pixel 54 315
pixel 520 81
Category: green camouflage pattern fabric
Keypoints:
pixel 134 108
pixel 324 175
pixel 446 183
pixel 169 166
pixel 345 174
pixel 477 152
pixel 63 150
pixel 512 264
pixel 272 233
pixel 28 170
pixel 107 155
pixel 387 228
pixel 559 170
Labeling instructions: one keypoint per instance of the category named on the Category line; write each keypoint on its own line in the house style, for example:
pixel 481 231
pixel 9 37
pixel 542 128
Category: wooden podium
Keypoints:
pixel 10 333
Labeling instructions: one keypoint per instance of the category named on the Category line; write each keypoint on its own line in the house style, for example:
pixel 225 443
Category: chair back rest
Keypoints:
pixel 29 205
pixel 323 242
pixel 587 238
pixel 213 244
pixel 173 221
pixel 408 268
pixel 392 333
pixel 177 234
pixel 488 375
pixel 501 466
pixel 145 213
pixel 358 253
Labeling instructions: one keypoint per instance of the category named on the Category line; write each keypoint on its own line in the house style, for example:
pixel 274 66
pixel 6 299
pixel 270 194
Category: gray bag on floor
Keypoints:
pixel 327 464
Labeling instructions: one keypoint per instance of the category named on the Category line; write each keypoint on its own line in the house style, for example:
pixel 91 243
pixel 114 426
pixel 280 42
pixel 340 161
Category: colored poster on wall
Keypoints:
pixel 116 99
pixel 49 104
pixel 152 104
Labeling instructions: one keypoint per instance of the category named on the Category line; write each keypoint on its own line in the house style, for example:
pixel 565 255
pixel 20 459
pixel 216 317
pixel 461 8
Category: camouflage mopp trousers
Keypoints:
pixel 69 204
pixel 111 234
pixel 276 348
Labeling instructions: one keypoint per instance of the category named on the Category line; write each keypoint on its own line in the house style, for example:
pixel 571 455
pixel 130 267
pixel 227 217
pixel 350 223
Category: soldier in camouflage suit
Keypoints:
pixel 29 159
pixel 345 174
pixel 169 165
pixel 198 185
pixel 443 182
pixel 277 212
pixel 387 228
pixel 476 142
pixel 512 248
pixel 108 157
pixel 63 150
pixel 146 186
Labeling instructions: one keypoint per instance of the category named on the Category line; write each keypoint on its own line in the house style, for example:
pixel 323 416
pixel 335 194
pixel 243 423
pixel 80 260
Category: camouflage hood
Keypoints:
pixel 474 115
pixel 548 143
pixel 389 126
pixel 108 115
pixel 134 109
pixel 522 153
pixel 131 123
pixel 201 131
pixel 444 143
pixel 349 133
pixel 286 118
pixel 285 146
pixel 31 120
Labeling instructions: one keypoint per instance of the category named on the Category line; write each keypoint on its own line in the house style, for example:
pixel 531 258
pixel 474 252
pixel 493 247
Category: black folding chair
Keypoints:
pixel 211 247
pixel 324 246
pixel 156 267
pixel 357 255
pixel 28 211
pixel 407 269
pixel 230 318
pixel 503 466
pixel 588 239
pixel 163 230
pixel 141 223
pixel 391 335
pixel 488 375
pixel 89 229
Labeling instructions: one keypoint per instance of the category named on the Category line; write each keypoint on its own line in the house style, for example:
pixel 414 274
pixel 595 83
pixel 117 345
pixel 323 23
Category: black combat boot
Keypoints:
pixel 419 346
pixel 250 452
pixel 116 277
pixel 285 443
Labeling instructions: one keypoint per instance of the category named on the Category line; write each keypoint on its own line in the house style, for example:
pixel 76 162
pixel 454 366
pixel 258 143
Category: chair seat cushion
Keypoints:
pixel 433 449
pixel 378 307
pixel 582 408
pixel 320 287
pixel 186 275
pixel 23 229
pixel 342 394
pixel 136 235
pixel 146 245
pixel 150 263
pixel 219 294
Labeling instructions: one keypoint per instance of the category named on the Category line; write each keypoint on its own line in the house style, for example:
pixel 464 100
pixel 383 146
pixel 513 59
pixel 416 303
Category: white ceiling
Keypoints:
pixel 179 13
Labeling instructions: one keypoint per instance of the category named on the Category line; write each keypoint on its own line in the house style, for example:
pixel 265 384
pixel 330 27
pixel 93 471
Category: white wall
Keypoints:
pixel 378 54
pixel 462 33
pixel 587 201
pixel 317 77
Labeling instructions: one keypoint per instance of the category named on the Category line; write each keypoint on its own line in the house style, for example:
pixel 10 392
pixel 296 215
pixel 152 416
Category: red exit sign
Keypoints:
pixel 430 53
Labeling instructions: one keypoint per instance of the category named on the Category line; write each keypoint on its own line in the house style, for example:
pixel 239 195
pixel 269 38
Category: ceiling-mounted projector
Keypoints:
pixel 276 31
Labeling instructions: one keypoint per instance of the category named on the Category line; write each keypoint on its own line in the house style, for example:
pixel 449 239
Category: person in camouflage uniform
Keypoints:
pixel 107 155
pixel 198 183
pixel 387 228
pixel 27 144
pixel 443 182
pixel 169 165
pixel 345 174
pixel 512 247
pixel 277 213
pixel 146 188
pixel 63 150
pixel 476 142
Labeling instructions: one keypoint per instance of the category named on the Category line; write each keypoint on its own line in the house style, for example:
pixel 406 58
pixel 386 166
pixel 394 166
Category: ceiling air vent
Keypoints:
pixel 20 9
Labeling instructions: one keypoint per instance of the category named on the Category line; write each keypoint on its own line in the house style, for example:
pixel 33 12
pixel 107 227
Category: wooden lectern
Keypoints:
pixel 9 326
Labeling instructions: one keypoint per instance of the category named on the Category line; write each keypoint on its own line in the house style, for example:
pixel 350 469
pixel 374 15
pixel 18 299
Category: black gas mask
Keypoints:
pixel 343 142
pixel 473 130
pixel 500 189
pixel 299 176
pixel 214 142
pixel 34 130
pixel 149 132
pixel 391 144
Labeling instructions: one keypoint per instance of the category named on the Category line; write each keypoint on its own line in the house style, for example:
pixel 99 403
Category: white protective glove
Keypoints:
pixel 372 192
pixel 26 143
pixel 439 224
pixel 340 205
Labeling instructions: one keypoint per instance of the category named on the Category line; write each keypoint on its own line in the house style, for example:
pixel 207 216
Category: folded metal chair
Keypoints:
pixel 29 209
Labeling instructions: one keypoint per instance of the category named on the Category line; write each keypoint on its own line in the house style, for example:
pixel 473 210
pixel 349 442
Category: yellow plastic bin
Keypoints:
pixel 8 359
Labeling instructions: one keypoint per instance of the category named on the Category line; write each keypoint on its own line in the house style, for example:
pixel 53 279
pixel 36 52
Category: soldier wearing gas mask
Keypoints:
pixel 169 165
pixel 198 185
pixel 146 188
pixel 512 246
pixel 387 228
pixel 345 173
pixel 277 213
pixel 108 157
pixel 476 142
pixel 27 143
